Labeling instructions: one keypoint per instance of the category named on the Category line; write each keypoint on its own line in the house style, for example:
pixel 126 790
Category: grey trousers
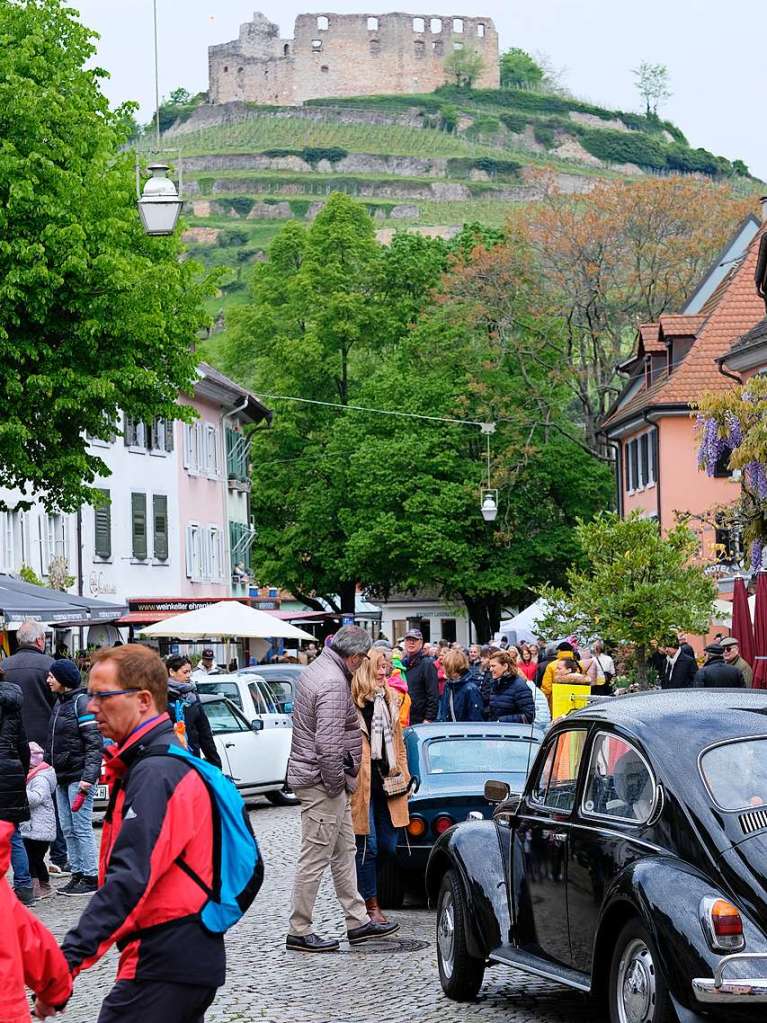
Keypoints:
pixel 327 838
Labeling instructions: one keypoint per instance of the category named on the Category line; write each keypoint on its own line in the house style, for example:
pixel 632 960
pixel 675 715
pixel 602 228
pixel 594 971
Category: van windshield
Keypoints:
pixel 736 773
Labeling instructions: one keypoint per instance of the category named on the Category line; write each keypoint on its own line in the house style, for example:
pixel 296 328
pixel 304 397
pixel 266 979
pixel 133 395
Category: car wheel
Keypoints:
pixel 460 973
pixel 638 992
pixel 282 799
pixel 390 885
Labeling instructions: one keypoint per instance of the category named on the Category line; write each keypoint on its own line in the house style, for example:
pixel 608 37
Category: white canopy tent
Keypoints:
pixel 228 619
pixel 522 627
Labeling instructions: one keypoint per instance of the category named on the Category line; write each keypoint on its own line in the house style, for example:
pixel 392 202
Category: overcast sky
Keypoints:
pixel 714 52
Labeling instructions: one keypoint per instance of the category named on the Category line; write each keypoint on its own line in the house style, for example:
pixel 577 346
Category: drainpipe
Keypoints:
pixel 656 442
pixel 227 544
pixel 726 372
pixel 618 462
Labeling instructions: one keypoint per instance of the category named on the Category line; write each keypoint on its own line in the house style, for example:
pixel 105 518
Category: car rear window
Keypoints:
pixel 228 689
pixel 480 755
pixel 736 773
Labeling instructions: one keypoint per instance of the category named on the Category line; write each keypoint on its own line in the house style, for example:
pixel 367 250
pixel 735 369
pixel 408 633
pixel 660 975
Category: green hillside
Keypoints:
pixel 427 162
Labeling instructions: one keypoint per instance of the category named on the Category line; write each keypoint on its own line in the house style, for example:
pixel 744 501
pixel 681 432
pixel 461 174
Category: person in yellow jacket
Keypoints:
pixel 565 652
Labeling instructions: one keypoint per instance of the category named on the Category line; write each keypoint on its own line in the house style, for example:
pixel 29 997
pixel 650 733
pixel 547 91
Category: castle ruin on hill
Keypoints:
pixel 346 55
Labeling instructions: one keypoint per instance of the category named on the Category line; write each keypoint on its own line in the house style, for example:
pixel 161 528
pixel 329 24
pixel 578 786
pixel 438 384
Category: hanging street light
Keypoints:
pixel 488 499
pixel 159 204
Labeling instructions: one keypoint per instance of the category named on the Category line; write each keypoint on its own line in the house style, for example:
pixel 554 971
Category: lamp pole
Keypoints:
pixel 156 80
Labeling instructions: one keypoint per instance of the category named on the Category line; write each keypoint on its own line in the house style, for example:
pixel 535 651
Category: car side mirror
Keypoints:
pixel 287 707
pixel 257 725
pixel 496 791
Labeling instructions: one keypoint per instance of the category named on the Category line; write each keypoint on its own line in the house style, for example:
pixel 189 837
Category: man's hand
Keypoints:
pixel 85 785
pixel 43 1010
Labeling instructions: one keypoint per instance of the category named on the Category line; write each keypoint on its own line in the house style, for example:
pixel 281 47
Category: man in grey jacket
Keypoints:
pixel 324 761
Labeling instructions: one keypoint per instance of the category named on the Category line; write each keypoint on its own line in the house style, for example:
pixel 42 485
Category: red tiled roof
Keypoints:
pixel 732 310
pixel 649 335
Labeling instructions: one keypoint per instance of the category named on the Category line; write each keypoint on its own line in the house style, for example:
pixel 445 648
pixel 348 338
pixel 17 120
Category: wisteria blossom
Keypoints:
pixel 756 479
pixel 756 555
pixel 712 446
pixel 734 430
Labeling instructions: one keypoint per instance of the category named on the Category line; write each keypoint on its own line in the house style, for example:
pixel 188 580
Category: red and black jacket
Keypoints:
pixel 159 811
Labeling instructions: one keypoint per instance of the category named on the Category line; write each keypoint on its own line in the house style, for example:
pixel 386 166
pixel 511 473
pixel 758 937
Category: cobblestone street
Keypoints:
pixel 266 983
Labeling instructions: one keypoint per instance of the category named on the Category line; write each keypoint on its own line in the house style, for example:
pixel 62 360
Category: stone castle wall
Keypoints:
pixel 346 55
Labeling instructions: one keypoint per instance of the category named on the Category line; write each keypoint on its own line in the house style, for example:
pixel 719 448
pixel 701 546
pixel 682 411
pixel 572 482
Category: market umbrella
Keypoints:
pixel 228 619
pixel 742 629
pixel 760 633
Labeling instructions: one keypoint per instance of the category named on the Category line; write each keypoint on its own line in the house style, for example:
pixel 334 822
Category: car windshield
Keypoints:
pixel 480 755
pixel 228 689
pixel 736 773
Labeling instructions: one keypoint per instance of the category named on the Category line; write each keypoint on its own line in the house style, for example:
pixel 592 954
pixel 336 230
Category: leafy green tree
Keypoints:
pixel 95 317
pixel 519 70
pixel 634 586
pixel 653 83
pixel 325 307
pixel 464 66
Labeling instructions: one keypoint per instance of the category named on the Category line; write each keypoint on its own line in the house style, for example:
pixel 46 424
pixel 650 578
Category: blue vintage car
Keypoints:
pixel 451 763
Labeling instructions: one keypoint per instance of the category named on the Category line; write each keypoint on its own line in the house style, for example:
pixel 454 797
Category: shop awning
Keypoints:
pixel 20 600
pixel 145 617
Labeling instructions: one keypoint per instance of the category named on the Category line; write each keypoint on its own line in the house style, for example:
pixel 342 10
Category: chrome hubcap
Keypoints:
pixel 636 984
pixel 446 935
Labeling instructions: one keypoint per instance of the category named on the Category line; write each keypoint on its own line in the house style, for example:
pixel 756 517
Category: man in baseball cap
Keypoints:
pixel 422 679
pixel 207 665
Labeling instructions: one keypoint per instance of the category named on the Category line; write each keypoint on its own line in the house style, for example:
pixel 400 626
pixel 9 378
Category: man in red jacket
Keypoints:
pixel 29 954
pixel 156 855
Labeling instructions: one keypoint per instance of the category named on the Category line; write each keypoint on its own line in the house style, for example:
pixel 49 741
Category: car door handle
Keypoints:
pixel 230 745
pixel 560 836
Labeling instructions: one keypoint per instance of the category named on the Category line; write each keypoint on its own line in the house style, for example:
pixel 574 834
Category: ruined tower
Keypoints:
pixel 346 55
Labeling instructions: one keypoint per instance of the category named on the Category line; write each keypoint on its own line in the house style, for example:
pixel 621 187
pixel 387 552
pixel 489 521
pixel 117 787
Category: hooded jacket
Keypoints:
pixel 14 757
pixel 41 786
pixel 74 747
pixel 28 669
pixel 511 700
pixel 147 904
pixel 326 746
pixel 198 731
pixel 29 954
pixel 461 700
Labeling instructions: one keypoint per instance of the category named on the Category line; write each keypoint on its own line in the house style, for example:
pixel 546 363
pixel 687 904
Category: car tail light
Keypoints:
pixel 722 925
pixel 442 823
pixel 417 827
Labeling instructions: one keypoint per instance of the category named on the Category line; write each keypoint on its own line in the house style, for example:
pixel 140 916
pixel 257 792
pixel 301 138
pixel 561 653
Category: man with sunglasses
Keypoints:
pixel 159 820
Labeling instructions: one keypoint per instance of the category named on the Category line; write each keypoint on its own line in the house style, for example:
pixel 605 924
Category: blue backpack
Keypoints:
pixel 238 869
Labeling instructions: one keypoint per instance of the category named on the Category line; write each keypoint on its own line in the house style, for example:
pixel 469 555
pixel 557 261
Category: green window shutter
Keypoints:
pixel 138 519
pixel 103 528
pixel 160 517
pixel 170 425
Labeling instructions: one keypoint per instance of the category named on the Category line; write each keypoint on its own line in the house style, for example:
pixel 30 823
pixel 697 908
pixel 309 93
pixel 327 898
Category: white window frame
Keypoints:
pixel 638 485
pixel 212 460
pixel 7 546
pixel 193 551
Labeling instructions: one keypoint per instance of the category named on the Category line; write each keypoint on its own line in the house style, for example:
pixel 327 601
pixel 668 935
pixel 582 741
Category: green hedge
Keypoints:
pixel 241 205
pixel 514 122
pixel 462 166
pixel 544 136
pixel 622 147
pixel 310 154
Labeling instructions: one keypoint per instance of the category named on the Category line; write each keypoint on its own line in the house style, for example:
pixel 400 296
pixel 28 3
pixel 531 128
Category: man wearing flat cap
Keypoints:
pixel 422 679
pixel 716 673
pixel 732 656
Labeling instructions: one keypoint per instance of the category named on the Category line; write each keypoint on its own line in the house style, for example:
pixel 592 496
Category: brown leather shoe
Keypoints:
pixel 374 911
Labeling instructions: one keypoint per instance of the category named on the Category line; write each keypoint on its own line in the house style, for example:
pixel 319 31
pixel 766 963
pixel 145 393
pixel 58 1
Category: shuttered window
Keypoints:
pixel 160 519
pixel 138 520
pixel 102 516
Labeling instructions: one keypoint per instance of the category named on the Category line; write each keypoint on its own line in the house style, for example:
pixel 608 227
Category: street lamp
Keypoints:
pixel 488 500
pixel 159 204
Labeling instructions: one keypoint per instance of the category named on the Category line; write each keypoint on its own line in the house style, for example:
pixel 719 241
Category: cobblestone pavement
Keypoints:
pixel 266 984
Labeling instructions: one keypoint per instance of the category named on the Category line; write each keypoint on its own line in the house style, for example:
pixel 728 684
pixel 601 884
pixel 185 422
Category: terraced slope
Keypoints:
pixel 430 163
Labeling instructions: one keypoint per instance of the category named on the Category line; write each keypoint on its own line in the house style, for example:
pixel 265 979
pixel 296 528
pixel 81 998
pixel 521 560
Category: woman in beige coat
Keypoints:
pixel 379 803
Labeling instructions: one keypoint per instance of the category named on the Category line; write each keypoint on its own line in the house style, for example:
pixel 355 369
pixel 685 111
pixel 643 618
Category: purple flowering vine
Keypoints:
pixel 756 478
pixel 734 430
pixel 756 555
pixel 712 446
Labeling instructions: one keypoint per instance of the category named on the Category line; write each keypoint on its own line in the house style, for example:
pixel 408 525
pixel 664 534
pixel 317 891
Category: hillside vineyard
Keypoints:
pixel 346 55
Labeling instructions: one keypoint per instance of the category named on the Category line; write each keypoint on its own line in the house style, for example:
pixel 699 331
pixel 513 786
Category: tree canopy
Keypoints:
pixel 634 586
pixel 95 317
pixel 464 66
pixel 653 83
pixel 520 70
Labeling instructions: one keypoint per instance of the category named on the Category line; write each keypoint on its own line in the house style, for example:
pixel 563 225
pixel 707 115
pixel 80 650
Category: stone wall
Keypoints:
pixel 346 55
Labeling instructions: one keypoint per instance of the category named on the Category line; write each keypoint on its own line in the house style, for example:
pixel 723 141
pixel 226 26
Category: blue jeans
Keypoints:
pixel 381 841
pixel 20 861
pixel 59 844
pixel 78 829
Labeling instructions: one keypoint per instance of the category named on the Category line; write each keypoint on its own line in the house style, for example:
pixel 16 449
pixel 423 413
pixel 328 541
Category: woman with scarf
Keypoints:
pixel 40 830
pixel 379 803
pixel 185 711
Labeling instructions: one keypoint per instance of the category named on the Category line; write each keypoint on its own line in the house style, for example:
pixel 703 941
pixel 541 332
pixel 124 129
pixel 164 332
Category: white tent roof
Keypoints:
pixel 228 619
pixel 524 624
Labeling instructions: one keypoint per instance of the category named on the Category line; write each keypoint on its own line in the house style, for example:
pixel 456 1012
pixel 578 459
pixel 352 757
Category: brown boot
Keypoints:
pixel 374 911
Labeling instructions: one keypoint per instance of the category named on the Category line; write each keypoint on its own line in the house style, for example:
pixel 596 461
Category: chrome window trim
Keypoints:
pixel 591 814
pixel 715 745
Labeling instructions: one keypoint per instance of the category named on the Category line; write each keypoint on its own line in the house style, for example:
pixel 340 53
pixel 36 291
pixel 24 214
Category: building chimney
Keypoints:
pixel 763 204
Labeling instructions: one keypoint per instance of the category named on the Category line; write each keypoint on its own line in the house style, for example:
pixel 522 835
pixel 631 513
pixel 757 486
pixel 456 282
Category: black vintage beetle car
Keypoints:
pixel 633 866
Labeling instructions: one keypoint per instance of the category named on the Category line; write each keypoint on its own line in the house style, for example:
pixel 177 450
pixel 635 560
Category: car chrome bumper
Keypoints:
pixel 717 990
